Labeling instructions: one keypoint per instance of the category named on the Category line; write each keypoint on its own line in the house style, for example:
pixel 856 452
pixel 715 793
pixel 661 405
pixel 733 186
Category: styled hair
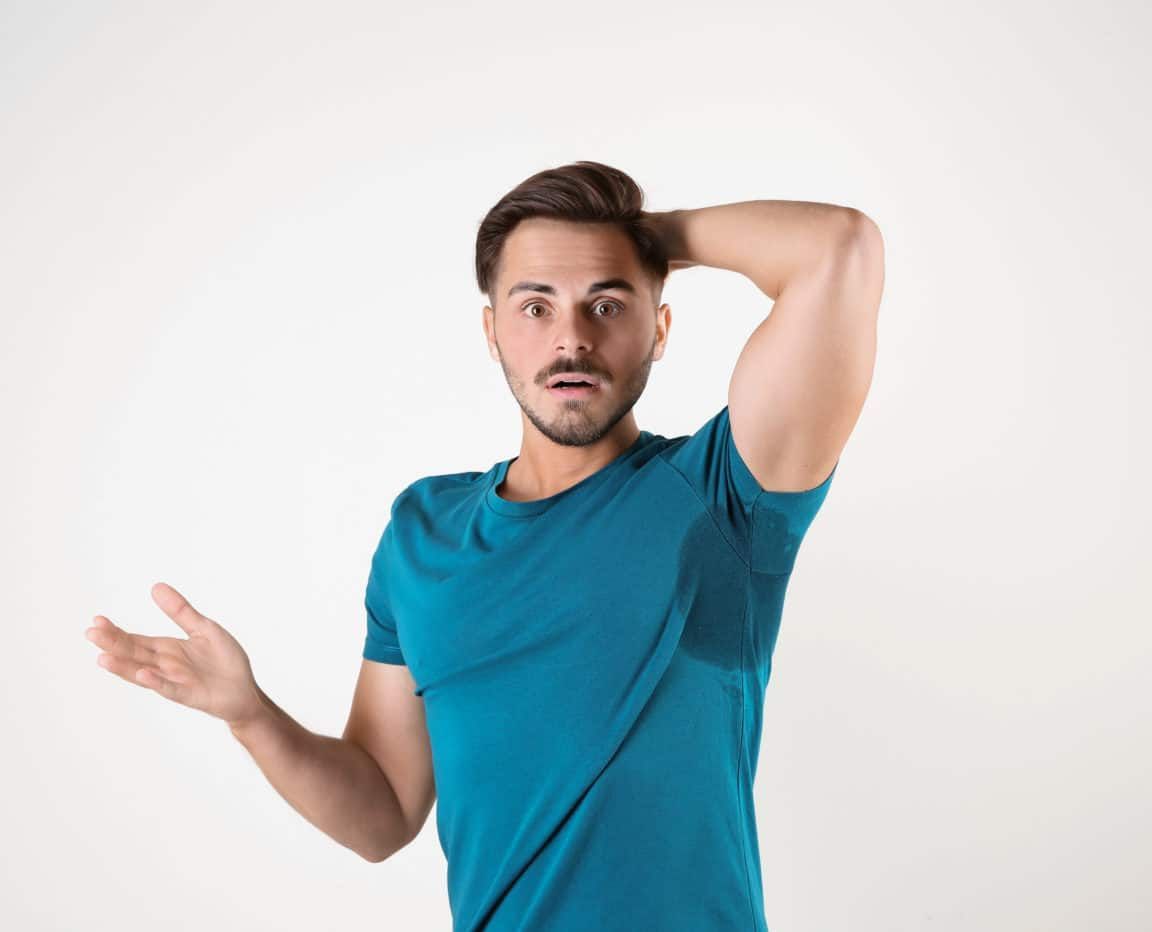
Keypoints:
pixel 581 192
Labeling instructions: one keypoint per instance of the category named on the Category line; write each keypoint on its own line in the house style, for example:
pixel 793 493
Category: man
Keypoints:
pixel 569 650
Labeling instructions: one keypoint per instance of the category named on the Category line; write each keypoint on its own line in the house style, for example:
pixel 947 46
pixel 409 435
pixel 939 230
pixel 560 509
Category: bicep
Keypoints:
pixel 799 384
pixel 387 721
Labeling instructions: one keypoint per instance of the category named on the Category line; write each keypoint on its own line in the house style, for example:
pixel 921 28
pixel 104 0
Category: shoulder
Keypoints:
pixel 443 482
pixel 436 492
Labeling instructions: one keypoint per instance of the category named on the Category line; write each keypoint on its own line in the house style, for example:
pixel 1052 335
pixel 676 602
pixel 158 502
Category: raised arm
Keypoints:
pixel 800 382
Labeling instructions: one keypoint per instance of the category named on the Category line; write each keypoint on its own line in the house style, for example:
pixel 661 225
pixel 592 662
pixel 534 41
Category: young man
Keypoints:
pixel 570 650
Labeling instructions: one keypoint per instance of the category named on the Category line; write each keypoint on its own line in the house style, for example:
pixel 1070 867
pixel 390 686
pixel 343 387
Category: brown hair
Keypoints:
pixel 581 192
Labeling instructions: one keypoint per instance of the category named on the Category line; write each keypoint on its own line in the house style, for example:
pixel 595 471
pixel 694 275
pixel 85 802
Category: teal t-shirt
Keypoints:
pixel 593 668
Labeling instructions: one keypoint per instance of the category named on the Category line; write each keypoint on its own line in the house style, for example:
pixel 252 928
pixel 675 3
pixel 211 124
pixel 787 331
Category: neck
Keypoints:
pixel 544 468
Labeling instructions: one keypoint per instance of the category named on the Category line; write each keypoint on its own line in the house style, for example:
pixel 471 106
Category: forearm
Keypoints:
pixel 769 242
pixel 335 784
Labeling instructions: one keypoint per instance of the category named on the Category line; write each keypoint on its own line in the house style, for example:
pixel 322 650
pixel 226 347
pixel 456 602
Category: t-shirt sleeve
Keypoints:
pixel 765 525
pixel 381 642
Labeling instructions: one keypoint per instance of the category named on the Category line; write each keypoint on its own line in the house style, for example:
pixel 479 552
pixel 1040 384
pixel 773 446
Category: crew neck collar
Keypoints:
pixel 538 505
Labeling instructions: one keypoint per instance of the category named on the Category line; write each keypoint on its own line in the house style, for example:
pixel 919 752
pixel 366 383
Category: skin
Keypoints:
pixel 370 789
pixel 612 333
pixel 208 670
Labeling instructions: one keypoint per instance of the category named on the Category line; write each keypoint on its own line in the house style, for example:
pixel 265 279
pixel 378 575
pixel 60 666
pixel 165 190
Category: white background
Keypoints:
pixel 239 316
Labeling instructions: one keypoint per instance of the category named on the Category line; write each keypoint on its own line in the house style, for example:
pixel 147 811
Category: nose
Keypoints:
pixel 574 333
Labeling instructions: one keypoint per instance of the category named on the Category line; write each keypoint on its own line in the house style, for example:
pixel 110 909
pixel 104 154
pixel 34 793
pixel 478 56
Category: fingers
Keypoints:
pixel 137 657
pixel 176 607
pixel 140 674
pixel 138 648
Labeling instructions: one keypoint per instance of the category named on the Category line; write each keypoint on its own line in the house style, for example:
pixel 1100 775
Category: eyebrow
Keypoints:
pixel 619 284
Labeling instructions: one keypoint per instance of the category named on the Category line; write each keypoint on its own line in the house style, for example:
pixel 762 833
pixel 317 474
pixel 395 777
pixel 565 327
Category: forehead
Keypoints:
pixel 566 254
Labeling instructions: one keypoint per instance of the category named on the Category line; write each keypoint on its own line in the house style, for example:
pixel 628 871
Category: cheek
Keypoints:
pixel 518 353
pixel 638 347
pixel 521 358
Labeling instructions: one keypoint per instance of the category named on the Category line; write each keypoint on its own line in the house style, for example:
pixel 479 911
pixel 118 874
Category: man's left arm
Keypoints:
pixel 800 382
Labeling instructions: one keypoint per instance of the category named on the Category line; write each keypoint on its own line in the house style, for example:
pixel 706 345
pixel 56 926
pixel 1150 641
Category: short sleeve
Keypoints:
pixel 765 526
pixel 381 642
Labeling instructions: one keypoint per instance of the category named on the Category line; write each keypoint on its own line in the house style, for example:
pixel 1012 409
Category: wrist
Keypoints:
pixel 669 228
pixel 258 715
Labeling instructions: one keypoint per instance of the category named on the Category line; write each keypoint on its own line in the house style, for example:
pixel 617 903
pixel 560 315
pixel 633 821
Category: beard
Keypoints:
pixel 579 422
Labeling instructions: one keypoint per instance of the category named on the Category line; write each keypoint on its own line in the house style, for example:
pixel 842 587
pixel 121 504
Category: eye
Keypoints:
pixel 612 304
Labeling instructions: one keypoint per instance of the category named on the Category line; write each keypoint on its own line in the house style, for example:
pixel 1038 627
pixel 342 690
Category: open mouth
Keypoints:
pixel 573 388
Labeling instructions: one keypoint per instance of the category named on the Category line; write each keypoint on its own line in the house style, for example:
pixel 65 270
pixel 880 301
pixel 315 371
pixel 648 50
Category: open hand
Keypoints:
pixel 208 670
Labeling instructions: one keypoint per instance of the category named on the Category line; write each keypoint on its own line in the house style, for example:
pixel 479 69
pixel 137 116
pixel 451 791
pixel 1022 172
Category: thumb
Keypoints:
pixel 176 607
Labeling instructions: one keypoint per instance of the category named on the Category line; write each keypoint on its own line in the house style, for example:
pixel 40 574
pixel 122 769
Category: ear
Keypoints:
pixel 663 325
pixel 488 320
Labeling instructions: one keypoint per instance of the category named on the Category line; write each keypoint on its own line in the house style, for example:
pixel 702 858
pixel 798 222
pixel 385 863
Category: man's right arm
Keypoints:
pixel 372 789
